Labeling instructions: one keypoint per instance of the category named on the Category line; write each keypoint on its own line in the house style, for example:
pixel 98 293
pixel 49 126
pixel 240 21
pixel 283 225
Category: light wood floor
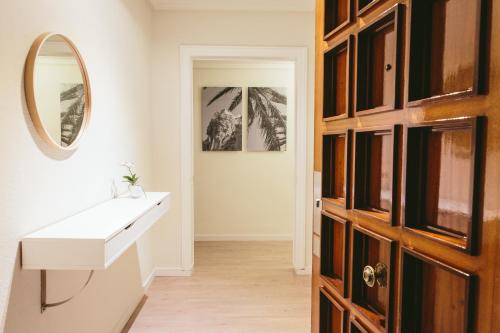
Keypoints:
pixel 236 287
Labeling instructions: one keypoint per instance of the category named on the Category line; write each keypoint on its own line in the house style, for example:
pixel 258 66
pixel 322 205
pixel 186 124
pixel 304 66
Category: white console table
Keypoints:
pixel 93 239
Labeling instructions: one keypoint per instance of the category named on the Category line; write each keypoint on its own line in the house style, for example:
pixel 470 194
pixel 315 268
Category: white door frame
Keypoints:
pixel 188 54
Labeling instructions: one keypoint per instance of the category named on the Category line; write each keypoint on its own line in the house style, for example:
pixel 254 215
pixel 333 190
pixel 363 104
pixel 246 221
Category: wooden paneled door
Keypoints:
pixel 407 167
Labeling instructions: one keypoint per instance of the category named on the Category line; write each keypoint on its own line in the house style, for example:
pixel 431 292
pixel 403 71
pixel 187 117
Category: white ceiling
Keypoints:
pixel 236 5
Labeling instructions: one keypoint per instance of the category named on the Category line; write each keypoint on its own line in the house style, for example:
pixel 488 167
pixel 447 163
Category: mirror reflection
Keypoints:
pixel 59 90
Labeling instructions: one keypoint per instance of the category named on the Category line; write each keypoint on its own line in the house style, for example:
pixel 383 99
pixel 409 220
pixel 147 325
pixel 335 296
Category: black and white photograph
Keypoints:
pixel 221 118
pixel 72 106
pixel 267 115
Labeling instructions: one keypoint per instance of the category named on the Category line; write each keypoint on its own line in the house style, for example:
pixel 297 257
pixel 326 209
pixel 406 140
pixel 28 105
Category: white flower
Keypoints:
pixel 129 165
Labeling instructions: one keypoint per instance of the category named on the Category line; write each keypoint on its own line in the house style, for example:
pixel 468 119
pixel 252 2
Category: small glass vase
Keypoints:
pixel 136 191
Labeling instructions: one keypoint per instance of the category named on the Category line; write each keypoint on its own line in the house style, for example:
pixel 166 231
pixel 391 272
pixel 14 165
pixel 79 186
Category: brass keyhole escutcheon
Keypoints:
pixel 377 274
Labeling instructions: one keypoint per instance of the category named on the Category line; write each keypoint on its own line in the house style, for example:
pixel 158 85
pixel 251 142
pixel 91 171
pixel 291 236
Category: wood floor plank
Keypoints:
pixel 236 287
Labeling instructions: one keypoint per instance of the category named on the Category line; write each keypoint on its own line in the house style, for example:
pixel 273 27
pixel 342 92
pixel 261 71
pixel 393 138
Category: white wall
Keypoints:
pixel 39 186
pixel 244 195
pixel 170 31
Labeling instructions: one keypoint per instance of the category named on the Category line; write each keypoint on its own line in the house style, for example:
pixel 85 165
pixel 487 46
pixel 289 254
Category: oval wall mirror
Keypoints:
pixel 57 90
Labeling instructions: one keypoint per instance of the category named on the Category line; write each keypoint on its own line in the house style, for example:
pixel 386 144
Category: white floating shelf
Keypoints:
pixel 94 238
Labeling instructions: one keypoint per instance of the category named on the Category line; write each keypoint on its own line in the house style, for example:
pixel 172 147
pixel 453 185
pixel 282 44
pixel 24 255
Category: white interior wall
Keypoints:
pixel 40 186
pixel 171 29
pixel 244 195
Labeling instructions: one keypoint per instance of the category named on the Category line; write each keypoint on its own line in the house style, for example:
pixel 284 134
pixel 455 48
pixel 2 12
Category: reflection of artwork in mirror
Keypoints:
pixel 72 105
pixel 57 91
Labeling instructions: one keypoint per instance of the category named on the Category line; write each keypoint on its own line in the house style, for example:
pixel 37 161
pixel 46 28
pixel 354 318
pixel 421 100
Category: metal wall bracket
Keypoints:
pixel 43 291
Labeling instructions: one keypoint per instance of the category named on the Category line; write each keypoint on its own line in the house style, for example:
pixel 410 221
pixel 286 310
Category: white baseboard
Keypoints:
pixel 304 271
pixel 173 271
pixel 147 283
pixel 229 237
pixel 178 271
pixel 164 271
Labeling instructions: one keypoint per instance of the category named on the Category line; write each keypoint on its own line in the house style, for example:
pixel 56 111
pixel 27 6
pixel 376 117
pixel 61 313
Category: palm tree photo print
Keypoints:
pixel 267 114
pixel 221 118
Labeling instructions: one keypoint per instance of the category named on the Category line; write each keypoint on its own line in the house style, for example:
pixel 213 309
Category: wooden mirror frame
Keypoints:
pixel 29 90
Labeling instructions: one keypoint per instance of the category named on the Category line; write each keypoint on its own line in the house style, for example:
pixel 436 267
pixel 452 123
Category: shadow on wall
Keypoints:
pixel 104 306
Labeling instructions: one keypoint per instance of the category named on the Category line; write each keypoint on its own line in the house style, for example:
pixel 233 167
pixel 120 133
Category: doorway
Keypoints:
pixel 296 56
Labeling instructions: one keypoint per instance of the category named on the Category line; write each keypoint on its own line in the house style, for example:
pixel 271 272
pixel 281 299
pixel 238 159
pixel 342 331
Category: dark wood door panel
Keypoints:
pixel 337 80
pixel 337 15
pixel 334 245
pixel 333 316
pixel 442 176
pixel 377 64
pixel 439 31
pixel 372 257
pixel 376 158
pixel 435 297
pixel 336 177
pixel 430 204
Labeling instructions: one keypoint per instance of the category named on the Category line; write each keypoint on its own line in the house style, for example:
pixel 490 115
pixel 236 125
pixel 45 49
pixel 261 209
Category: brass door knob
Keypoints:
pixel 376 274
